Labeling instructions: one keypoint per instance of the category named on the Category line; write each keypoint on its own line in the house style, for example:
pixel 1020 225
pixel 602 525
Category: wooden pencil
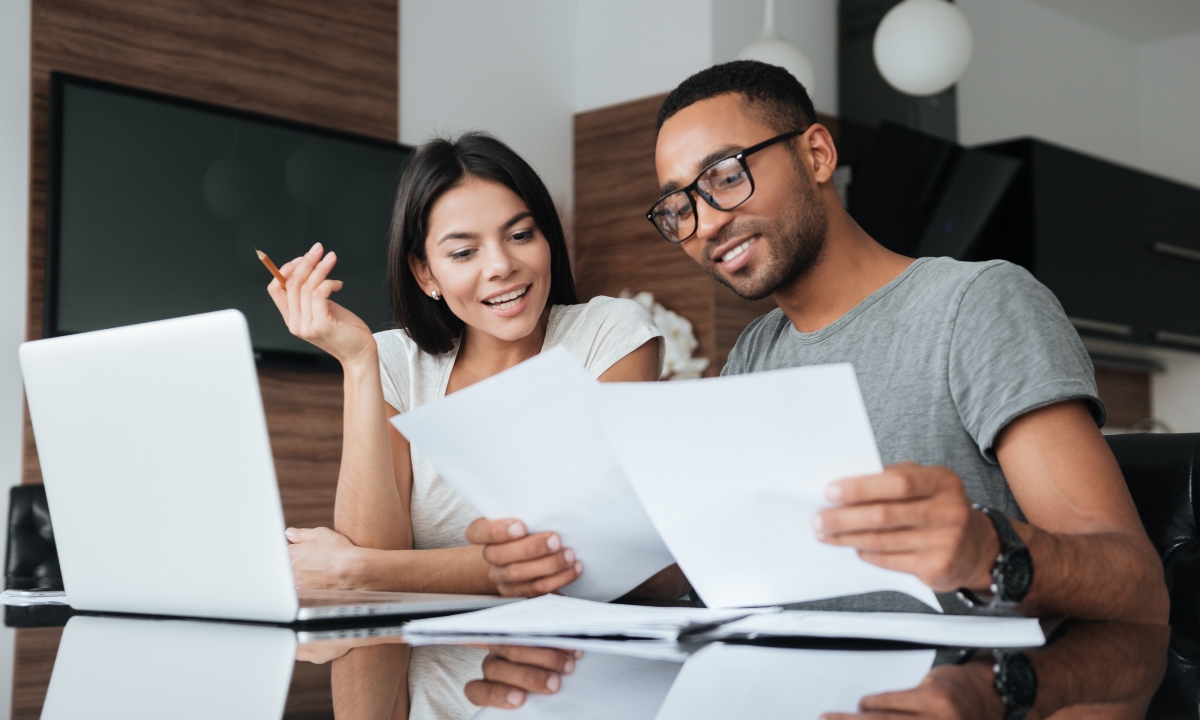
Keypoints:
pixel 271 266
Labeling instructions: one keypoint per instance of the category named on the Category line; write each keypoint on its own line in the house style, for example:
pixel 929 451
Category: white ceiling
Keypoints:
pixel 1138 21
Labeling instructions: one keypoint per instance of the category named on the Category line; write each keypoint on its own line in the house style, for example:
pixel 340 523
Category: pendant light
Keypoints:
pixel 922 47
pixel 772 49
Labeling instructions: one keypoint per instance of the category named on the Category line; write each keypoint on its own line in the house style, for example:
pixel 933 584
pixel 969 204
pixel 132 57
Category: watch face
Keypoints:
pixel 1017 682
pixel 1017 575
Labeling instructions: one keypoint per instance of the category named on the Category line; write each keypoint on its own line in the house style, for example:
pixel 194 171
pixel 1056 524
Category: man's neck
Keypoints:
pixel 852 265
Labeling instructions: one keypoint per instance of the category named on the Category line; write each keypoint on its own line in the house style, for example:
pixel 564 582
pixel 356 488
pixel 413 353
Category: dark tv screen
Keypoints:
pixel 157 205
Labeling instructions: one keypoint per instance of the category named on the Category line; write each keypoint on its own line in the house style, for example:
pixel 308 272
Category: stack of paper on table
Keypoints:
pixel 564 617
pixel 572 617
pixel 972 631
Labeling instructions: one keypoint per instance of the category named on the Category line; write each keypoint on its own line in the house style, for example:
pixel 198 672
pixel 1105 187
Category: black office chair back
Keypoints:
pixel 1160 471
pixel 32 558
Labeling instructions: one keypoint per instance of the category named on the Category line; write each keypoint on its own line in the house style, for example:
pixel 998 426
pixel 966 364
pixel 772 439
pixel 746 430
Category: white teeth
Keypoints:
pixel 507 300
pixel 736 251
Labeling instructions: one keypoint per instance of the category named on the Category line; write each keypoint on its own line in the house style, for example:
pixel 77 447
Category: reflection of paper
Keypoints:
pixel 523 444
pixel 558 615
pixel 732 471
pixel 152 669
pixel 742 681
pixel 602 687
pixel 944 630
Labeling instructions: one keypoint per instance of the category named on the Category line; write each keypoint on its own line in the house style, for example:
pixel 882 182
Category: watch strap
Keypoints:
pixel 1010 542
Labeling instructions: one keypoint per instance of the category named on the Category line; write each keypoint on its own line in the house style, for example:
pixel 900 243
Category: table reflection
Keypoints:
pixel 1092 670
pixel 141 669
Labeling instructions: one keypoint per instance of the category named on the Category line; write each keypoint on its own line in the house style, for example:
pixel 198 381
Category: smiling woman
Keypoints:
pixel 480 281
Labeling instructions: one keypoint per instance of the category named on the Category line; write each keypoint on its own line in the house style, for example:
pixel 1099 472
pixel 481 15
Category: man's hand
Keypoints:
pixel 914 519
pixel 520 564
pixel 948 692
pixel 322 559
pixel 511 671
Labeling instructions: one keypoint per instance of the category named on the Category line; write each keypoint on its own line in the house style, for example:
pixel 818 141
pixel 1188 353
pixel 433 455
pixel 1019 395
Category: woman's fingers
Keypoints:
pixel 520 572
pixel 310 309
pixel 303 266
pixel 524 549
pixel 490 694
pixel 544 585
pixel 485 532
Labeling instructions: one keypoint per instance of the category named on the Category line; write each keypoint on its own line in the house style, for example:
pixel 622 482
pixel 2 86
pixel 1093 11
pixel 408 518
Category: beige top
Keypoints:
pixel 598 334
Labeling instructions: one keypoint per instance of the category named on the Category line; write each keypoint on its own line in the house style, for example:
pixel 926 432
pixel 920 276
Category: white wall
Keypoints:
pixel 14 239
pixel 629 49
pixel 504 67
pixel 1168 77
pixel 1039 72
pixel 811 25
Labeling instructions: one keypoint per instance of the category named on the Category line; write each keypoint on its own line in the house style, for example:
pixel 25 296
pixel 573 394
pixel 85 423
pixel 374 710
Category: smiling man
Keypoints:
pixel 978 388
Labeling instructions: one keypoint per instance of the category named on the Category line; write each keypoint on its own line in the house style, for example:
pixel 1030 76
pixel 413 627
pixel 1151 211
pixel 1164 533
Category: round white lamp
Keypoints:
pixel 922 47
pixel 772 49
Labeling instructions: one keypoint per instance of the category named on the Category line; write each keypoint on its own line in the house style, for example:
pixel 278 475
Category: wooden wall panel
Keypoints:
pixel 34 652
pixel 334 64
pixel 1126 395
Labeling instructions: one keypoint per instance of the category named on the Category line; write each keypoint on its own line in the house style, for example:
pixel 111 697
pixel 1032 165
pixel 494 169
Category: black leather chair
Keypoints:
pixel 32 559
pixel 1160 471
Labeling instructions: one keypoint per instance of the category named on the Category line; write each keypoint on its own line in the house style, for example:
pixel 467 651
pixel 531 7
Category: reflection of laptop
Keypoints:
pixel 183 670
pixel 159 476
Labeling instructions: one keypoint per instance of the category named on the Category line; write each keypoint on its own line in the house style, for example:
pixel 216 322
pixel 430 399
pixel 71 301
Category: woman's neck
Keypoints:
pixel 481 355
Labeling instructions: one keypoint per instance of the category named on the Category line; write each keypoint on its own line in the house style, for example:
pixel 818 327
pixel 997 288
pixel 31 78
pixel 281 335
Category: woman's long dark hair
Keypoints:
pixel 434 168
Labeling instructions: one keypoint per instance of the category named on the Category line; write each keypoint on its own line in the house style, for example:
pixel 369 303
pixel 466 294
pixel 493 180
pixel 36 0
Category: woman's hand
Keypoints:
pixel 312 316
pixel 322 559
pixel 520 564
pixel 511 671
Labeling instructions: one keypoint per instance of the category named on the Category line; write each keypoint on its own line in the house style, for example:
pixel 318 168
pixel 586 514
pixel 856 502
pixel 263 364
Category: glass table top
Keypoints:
pixel 151 668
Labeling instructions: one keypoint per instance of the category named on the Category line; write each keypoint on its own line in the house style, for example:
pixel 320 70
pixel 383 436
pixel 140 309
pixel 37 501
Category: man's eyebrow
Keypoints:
pixel 475 236
pixel 719 154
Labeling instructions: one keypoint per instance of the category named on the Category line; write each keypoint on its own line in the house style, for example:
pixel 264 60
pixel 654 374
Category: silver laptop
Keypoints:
pixel 160 480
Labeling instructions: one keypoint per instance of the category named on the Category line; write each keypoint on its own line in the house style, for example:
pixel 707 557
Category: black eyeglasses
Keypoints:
pixel 724 184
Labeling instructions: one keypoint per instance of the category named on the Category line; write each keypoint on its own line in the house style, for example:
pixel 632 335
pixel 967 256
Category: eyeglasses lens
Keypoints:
pixel 675 216
pixel 724 185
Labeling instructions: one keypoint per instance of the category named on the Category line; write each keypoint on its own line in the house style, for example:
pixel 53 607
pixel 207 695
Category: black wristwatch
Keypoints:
pixel 1012 575
pixel 1016 682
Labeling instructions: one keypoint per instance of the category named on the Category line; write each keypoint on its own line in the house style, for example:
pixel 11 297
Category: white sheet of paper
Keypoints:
pixel 945 630
pixel 743 681
pixel 732 471
pixel 602 687
pixel 564 616
pixel 524 444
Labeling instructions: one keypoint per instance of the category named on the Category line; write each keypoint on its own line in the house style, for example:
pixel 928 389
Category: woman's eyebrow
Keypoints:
pixel 515 219
pixel 458 236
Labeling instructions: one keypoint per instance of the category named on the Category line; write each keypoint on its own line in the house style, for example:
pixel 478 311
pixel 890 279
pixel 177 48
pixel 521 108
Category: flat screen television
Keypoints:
pixel 156 205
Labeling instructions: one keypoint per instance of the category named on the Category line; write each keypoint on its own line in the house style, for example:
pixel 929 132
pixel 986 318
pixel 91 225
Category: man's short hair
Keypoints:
pixel 769 89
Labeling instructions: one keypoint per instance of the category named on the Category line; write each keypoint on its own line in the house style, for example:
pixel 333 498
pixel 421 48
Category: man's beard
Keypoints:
pixel 794 250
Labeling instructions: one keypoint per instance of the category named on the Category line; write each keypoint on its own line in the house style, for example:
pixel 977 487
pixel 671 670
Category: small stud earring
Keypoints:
pixel 434 295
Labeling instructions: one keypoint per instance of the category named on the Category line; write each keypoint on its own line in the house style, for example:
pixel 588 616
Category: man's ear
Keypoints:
pixel 821 152
pixel 420 271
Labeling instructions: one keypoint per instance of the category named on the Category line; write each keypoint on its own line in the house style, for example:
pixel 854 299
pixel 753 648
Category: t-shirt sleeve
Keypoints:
pixel 1012 350
pixel 607 330
pixel 395 356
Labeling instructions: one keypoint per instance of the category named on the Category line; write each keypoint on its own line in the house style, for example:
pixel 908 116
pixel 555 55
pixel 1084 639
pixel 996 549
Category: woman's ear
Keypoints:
pixel 420 271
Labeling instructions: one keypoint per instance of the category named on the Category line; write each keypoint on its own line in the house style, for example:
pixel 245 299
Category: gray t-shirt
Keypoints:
pixel 946 355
